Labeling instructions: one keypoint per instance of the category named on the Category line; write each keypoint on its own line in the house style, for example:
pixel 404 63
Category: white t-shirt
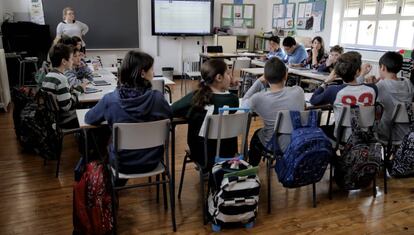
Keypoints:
pixel 72 29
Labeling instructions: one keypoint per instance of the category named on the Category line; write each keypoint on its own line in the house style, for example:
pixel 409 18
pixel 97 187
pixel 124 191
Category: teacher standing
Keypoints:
pixel 71 27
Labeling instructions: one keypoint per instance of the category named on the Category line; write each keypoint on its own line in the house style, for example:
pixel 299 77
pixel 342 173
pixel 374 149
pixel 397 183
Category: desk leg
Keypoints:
pixel 85 133
pixel 173 174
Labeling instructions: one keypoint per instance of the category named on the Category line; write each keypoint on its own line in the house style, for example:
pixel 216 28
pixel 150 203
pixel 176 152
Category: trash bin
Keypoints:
pixel 168 72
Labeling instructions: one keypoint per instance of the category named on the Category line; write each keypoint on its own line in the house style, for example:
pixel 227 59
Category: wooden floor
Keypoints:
pixel 33 201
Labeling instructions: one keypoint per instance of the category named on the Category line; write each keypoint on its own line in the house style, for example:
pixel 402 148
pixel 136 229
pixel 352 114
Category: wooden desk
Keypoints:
pixel 304 73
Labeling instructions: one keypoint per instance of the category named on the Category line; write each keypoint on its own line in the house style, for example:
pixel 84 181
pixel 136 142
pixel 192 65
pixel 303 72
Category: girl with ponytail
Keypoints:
pixel 212 91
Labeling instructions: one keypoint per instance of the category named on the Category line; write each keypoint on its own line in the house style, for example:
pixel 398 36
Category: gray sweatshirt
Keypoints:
pixel 391 92
pixel 266 104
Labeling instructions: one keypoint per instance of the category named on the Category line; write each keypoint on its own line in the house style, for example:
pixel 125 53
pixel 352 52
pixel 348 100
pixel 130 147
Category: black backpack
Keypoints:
pixel 360 158
pixel 403 163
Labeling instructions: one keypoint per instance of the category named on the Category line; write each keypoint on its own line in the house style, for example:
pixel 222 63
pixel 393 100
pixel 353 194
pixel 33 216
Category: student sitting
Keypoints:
pixel 296 53
pixel 350 93
pixel 132 102
pixel 317 55
pixel 80 72
pixel 213 90
pixel 79 42
pixel 267 103
pixel 392 90
pixel 275 49
pixel 329 64
pixel 57 83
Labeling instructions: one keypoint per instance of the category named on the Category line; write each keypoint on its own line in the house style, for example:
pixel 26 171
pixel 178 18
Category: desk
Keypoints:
pixel 258 63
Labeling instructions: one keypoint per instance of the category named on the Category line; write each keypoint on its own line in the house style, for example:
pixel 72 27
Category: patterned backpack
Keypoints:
pixel 307 156
pixel 358 164
pixel 403 162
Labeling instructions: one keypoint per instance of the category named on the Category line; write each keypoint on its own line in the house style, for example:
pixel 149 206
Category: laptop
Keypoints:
pixel 100 83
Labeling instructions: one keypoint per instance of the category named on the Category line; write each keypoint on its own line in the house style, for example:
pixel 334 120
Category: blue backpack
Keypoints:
pixel 307 156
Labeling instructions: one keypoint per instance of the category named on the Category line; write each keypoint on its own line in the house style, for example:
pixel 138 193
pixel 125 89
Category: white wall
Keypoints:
pixel 1 21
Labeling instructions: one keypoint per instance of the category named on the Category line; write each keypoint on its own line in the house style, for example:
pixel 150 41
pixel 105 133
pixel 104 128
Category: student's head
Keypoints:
pixel 78 42
pixel 137 70
pixel 348 66
pixel 68 14
pixel 317 42
pixel 76 57
pixel 335 52
pixel 275 71
pixel 61 55
pixel 390 62
pixel 289 44
pixel 215 74
pixel 274 43
pixel 67 41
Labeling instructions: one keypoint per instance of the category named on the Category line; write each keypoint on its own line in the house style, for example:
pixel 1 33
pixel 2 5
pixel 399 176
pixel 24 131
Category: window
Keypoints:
pixel 383 24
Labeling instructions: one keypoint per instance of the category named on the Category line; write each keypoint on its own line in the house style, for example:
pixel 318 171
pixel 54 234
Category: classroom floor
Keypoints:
pixel 33 201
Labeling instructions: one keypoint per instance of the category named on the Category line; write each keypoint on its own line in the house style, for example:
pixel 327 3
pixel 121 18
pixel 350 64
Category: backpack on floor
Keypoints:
pixel 358 164
pixel 93 211
pixel 234 194
pixel 403 162
pixel 21 97
pixel 307 156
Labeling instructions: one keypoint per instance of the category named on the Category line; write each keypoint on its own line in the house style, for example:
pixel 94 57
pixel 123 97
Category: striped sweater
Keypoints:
pixel 57 83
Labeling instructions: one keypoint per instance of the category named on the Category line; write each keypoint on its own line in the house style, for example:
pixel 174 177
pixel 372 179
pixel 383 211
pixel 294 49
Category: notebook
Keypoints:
pixel 90 90
pixel 100 83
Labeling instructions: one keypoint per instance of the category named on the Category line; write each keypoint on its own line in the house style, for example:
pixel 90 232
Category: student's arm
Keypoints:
pixel 84 28
pixel 324 95
pixel 65 98
pixel 88 74
pixel 181 107
pixel 256 87
pixel 162 109
pixel 59 32
pixel 96 115
pixel 72 78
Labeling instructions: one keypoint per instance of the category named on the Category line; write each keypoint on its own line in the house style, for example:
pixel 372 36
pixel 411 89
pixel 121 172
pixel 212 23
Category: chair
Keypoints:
pixel 219 127
pixel 52 105
pixel 22 67
pixel 366 121
pixel 191 71
pixel 283 126
pixel 159 85
pixel 133 136
pixel 399 117
pixel 238 64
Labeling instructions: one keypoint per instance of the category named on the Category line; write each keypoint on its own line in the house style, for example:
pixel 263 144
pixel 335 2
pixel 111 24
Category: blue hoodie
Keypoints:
pixel 128 105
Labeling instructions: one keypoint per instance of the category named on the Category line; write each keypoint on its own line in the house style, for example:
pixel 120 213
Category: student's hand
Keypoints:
pixel 332 77
pixel 365 69
pixel 314 51
pixel 371 79
pixel 262 79
pixel 83 85
pixel 329 61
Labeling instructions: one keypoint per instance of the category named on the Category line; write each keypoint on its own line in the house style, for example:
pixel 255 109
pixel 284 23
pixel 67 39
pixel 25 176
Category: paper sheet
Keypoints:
pixel 308 9
pixel 278 11
pixel 238 23
pixel 289 10
pixel 317 23
pixel 226 11
pixel 248 12
pixel 281 23
pixel 238 12
pixel 301 11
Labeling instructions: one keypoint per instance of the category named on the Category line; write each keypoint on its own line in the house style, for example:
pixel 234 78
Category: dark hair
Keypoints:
pixel 76 39
pixel 289 41
pixel 321 52
pixel 74 50
pixel 59 52
pixel 275 70
pixel 348 65
pixel 275 39
pixel 67 41
pixel 132 66
pixel 209 70
pixel 337 48
pixel 393 61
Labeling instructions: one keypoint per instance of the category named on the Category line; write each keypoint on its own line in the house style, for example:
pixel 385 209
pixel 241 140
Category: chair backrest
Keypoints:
pixel 132 136
pixel 214 49
pixel 366 119
pixel 283 122
pixel 400 115
pixel 228 126
pixel 159 85
pixel 241 63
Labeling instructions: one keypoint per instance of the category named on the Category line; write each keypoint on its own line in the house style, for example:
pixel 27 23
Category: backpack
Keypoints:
pixel 360 158
pixel 21 97
pixel 403 162
pixel 38 130
pixel 92 201
pixel 234 194
pixel 306 157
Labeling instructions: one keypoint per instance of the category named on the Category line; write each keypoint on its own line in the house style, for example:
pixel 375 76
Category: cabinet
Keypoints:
pixel 232 43
pixel 261 43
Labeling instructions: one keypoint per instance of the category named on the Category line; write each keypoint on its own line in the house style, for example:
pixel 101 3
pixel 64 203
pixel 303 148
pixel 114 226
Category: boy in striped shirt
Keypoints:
pixel 57 83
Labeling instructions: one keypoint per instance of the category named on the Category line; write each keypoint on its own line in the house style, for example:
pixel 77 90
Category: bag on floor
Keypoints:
pixel 358 164
pixel 21 97
pixel 92 201
pixel 403 163
pixel 307 156
pixel 234 194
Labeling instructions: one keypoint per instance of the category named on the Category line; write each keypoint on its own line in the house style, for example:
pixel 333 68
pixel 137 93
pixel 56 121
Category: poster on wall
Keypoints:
pixel 36 12
pixel 311 16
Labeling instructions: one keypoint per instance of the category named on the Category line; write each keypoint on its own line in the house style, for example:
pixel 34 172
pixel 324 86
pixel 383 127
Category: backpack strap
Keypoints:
pixel 295 119
pixel 313 119
pixel 410 113
pixel 355 115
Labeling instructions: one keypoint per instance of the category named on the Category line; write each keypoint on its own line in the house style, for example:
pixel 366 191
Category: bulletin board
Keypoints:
pixel 311 16
pixel 283 16
pixel 237 15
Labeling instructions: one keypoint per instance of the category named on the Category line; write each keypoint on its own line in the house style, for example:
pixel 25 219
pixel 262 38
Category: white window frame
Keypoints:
pixel 377 17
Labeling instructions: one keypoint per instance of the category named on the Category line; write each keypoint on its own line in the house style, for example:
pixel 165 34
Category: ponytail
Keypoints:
pixel 202 96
